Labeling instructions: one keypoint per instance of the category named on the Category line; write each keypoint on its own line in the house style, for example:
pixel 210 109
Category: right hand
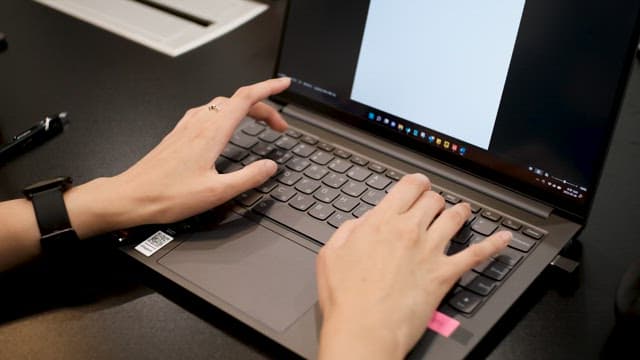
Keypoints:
pixel 381 277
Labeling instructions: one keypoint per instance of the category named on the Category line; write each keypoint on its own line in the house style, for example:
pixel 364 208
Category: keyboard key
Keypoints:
pixel 493 269
pixel 346 203
pixel 250 159
pixel 263 149
pixel 302 202
pixel 316 172
pixel 463 236
pixel 279 156
pixel 249 198
pixel 340 165
pixel 309 140
pixel 475 208
pixel 304 150
pixel 378 182
pixel 243 140
pixel 294 134
pixel 286 143
pixel 484 227
pixel 298 164
pixel 269 136
pixel 509 257
pixel 512 224
pixel 253 129
pixel 334 180
pixel 359 161
pixel 521 243
pixel 283 193
pixel 326 194
pixel 361 210
pixel 358 173
pixel 321 211
pixel 293 219
pixel 307 186
pixel 234 153
pixel 394 175
pixel 267 186
pixel 488 214
pixel 321 157
pixel 465 301
pixel 225 166
pixel 479 284
pixel 354 189
pixel 289 177
pixel 373 197
pixel 450 198
pixel 377 168
pixel 343 154
pixel 338 219
pixel 532 233
pixel 326 147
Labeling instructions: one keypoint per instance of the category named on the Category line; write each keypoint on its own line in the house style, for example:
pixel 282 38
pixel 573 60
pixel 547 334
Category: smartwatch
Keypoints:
pixel 47 198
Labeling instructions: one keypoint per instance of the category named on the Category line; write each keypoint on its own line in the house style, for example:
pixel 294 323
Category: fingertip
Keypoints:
pixel 270 167
pixel 504 237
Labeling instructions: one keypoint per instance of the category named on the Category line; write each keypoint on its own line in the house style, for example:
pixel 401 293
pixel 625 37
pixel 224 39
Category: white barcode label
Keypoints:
pixel 153 243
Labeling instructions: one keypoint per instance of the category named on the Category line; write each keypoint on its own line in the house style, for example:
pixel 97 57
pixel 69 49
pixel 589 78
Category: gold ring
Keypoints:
pixel 214 107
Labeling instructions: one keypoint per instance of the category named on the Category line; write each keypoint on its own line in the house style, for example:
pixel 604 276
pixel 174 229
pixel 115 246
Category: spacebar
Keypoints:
pixel 296 220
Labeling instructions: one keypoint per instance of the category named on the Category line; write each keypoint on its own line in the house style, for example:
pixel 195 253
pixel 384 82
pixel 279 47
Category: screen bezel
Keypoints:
pixel 576 210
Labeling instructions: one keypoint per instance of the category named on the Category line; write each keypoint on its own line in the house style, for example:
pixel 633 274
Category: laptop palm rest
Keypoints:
pixel 261 273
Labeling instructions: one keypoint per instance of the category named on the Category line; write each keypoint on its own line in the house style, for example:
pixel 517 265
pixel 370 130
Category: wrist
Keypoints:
pixel 358 336
pixel 98 207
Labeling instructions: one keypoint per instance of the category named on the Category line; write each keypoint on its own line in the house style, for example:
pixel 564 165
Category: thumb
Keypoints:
pixel 246 178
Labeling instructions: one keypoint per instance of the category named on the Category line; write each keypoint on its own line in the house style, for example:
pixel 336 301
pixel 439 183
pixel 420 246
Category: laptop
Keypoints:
pixel 508 105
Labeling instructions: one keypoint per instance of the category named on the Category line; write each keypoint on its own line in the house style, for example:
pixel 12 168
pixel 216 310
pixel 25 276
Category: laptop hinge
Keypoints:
pixel 435 167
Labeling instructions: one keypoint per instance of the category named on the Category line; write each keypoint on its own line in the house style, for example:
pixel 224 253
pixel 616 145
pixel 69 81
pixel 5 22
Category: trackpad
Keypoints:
pixel 250 267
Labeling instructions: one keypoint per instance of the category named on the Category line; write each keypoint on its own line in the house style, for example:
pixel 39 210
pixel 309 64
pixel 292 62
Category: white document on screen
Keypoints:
pixel 440 63
pixel 172 27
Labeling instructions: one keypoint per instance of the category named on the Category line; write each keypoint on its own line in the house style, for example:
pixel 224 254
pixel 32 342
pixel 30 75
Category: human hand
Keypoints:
pixel 177 179
pixel 381 277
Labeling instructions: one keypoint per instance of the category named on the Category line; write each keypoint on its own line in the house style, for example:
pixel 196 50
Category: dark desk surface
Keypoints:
pixel 122 99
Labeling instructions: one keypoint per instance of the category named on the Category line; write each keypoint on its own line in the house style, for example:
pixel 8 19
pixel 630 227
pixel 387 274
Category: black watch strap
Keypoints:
pixel 51 213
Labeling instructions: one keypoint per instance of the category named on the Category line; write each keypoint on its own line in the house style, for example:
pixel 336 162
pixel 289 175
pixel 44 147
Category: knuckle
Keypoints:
pixel 243 92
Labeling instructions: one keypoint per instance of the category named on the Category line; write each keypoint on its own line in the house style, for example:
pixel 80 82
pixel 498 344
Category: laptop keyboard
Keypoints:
pixel 319 186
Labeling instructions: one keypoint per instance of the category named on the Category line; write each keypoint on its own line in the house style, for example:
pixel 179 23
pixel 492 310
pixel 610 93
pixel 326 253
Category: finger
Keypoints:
pixel 249 177
pixel 263 112
pixel 404 194
pixel 426 208
pixel 447 225
pixel 237 107
pixel 479 252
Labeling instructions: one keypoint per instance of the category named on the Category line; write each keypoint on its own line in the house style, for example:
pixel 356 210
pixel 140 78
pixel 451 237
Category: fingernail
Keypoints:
pixel 505 236
pixel 270 166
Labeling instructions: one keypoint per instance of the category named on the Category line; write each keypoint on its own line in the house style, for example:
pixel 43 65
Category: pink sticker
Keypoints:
pixel 443 324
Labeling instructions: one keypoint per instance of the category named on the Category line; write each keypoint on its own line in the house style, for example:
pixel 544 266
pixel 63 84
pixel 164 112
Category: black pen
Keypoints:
pixel 36 135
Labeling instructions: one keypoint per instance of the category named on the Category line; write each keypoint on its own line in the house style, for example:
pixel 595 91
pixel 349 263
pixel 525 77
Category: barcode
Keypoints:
pixel 154 243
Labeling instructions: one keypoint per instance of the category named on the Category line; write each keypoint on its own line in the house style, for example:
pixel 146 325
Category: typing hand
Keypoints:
pixel 177 179
pixel 381 277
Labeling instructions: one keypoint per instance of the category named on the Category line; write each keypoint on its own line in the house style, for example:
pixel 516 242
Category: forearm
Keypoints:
pixel 94 208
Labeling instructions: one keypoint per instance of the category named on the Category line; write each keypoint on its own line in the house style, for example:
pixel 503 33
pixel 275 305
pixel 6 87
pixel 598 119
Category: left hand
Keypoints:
pixel 177 179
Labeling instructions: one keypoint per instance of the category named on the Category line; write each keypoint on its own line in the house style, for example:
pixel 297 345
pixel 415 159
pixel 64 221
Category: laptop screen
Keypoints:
pixel 524 93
